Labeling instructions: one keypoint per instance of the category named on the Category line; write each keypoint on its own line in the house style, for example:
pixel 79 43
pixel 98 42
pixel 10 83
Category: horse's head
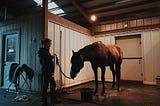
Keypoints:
pixel 77 64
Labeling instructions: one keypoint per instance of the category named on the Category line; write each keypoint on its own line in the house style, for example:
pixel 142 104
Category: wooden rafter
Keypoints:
pixel 81 10
pixel 45 18
pixel 130 9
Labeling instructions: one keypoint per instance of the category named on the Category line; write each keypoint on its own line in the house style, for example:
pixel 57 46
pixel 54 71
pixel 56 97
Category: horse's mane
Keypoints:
pixel 91 47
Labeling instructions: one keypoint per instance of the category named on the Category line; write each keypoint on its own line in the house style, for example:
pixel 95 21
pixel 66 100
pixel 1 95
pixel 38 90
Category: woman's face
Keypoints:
pixel 48 44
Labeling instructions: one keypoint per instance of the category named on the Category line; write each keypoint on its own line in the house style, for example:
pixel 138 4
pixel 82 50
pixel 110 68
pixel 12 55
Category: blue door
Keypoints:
pixel 11 55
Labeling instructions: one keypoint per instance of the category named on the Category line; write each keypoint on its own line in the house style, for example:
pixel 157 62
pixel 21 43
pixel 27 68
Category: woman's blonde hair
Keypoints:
pixel 45 40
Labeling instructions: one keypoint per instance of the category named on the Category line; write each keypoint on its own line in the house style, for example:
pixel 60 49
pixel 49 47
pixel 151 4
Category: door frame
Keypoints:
pixel 130 58
pixel 4 34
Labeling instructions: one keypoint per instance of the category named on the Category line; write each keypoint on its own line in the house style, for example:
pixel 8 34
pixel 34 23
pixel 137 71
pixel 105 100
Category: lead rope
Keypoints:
pixel 57 62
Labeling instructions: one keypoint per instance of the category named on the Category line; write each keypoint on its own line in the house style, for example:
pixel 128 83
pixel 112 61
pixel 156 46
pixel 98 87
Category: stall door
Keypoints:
pixel 11 55
pixel 131 65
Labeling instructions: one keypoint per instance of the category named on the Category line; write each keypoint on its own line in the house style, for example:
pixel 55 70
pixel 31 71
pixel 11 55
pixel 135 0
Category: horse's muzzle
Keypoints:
pixel 72 75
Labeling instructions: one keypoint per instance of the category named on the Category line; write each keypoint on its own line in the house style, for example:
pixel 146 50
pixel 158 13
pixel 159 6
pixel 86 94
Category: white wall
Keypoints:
pixel 73 40
pixel 64 41
pixel 151 58
pixel 150 52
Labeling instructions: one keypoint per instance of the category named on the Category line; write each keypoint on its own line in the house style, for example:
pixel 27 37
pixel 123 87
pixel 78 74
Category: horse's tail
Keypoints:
pixel 120 54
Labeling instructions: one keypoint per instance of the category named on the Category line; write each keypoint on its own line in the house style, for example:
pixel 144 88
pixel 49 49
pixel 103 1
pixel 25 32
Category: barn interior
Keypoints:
pixel 134 25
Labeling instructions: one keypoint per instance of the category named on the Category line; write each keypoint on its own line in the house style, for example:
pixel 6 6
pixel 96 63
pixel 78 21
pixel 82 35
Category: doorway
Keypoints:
pixel 132 58
pixel 10 54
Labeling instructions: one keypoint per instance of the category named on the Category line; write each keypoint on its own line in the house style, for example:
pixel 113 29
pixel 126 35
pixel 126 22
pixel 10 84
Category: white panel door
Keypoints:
pixel 11 55
pixel 131 65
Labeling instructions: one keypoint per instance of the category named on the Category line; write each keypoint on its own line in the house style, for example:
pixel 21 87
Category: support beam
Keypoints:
pixel 128 29
pixel 81 10
pixel 68 24
pixel 45 18
pixel 127 19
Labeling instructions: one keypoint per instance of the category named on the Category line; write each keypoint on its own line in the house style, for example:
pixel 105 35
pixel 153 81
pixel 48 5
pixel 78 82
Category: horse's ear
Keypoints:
pixel 73 51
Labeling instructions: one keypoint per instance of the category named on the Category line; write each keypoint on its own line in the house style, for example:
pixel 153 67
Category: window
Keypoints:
pixel 52 7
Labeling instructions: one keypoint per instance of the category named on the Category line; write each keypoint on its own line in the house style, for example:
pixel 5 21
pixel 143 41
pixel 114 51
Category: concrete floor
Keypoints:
pixel 131 94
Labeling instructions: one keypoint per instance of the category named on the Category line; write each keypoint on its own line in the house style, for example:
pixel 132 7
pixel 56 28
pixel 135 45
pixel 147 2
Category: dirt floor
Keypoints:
pixel 131 94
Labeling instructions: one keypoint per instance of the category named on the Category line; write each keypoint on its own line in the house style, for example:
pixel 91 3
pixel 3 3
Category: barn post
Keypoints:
pixel 45 18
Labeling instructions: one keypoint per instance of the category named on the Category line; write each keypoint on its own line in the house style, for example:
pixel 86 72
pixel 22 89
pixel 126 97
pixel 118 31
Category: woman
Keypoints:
pixel 47 63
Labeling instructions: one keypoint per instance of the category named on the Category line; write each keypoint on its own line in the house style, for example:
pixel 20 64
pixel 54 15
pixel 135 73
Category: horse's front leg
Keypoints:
pixel 118 75
pixel 103 80
pixel 96 79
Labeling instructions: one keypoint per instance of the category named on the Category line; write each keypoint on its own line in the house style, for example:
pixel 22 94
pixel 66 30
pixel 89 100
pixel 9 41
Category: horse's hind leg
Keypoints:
pixel 118 75
pixel 103 80
pixel 113 74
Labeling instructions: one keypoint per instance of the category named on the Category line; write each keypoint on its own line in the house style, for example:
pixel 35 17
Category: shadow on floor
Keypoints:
pixel 131 94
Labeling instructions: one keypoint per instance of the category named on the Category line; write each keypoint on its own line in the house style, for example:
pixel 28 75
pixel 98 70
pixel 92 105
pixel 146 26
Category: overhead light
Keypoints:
pixel 125 25
pixel 93 17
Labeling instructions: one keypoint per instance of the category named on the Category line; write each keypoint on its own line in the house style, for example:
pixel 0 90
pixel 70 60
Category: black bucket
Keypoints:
pixel 86 94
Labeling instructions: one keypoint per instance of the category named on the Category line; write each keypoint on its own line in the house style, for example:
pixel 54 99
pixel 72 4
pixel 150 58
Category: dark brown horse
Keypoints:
pixel 99 55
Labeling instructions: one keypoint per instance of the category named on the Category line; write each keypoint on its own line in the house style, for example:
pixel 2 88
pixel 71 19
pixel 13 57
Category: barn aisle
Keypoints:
pixel 131 94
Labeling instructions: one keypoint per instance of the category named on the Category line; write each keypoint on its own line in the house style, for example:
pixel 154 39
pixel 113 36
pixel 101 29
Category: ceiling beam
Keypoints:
pixel 116 5
pixel 93 3
pixel 45 18
pixel 130 9
pixel 128 29
pixel 81 10
pixel 127 19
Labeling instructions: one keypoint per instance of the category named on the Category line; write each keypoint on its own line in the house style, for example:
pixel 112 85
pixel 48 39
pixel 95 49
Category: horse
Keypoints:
pixel 99 55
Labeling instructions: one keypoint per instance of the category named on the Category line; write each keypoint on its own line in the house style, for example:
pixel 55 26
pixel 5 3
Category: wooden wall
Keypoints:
pixel 151 58
pixel 64 41
pixel 65 38
pixel 149 29
pixel 127 25
pixel 150 39
pixel 30 28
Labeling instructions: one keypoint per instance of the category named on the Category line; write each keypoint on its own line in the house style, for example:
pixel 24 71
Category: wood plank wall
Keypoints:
pixel 128 25
pixel 68 24
pixel 149 29
pixel 150 39
pixel 65 40
pixel 30 28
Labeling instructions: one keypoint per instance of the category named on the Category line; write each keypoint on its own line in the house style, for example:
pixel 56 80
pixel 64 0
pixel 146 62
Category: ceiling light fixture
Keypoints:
pixel 93 17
